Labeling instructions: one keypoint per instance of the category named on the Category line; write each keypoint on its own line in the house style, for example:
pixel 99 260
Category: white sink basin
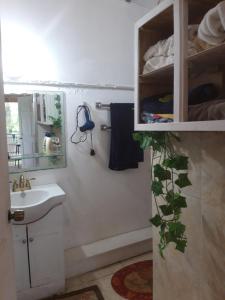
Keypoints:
pixel 37 202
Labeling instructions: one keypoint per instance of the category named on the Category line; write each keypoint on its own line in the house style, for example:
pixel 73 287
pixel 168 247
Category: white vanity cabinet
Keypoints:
pixel 39 256
pixel 21 258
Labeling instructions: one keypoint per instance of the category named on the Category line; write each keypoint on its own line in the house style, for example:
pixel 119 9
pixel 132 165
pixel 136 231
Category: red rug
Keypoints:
pixel 134 282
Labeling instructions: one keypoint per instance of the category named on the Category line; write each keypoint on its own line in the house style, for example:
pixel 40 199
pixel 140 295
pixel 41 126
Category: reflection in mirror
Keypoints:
pixel 35 131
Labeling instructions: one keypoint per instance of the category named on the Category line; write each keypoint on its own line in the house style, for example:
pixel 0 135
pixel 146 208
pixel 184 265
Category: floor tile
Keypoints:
pixel 94 275
pixel 102 278
pixel 147 256
pixel 106 288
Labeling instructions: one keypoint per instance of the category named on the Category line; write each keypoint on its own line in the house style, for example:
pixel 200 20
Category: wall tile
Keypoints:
pixel 200 273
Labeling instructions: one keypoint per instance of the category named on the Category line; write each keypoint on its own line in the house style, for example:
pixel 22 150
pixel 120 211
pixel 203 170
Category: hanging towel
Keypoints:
pixel 212 27
pixel 125 153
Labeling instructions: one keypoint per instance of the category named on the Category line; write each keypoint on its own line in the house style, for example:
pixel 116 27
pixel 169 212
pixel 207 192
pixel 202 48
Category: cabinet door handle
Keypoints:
pixel 17 215
pixel 24 241
pixel 31 240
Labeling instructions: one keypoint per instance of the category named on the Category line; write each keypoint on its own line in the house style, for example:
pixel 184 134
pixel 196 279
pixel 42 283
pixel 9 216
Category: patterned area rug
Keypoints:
pixel 90 293
pixel 134 282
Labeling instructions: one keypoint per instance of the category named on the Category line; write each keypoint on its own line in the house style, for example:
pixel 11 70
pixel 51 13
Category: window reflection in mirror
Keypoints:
pixel 35 131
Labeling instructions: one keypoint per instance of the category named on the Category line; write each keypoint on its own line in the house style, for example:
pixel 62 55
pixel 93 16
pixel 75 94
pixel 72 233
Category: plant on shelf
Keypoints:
pixel 169 177
pixel 57 121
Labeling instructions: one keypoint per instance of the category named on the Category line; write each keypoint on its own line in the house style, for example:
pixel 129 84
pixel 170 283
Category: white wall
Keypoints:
pixel 146 3
pixel 87 42
pixel 79 40
pixel 100 203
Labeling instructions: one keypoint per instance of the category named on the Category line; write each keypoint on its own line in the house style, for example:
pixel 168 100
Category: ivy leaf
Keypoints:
pixel 167 210
pixel 161 249
pixel 181 162
pixel 156 221
pixel 161 173
pixel 176 229
pixel 163 227
pixel 157 188
pixel 143 139
pixel 168 237
pixel 177 212
pixel 170 196
pixel 178 162
pixel 169 163
pixel 179 201
pixel 181 245
pixel 146 142
pixel 176 200
pixel 183 180
pixel 137 136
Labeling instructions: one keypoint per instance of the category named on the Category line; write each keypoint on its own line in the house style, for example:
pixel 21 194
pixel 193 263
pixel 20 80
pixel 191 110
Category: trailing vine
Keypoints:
pixel 57 121
pixel 169 177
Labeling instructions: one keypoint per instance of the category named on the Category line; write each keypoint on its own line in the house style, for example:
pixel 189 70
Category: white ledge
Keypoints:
pixel 72 85
pixel 112 243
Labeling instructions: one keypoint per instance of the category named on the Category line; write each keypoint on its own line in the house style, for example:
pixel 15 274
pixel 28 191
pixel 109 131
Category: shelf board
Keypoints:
pixel 163 73
pixel 209 57
pixel 212 56
pixel 32 156
pixel 183 126
pixel 44 123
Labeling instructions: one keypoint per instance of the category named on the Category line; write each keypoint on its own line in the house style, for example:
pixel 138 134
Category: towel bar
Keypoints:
pixel 99 105
pixel 105 127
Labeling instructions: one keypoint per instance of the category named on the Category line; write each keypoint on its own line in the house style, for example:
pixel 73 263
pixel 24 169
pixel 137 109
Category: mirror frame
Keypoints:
pixel 38 156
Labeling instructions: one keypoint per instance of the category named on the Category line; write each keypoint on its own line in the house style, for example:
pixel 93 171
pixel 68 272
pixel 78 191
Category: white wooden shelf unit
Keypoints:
pixel 174 17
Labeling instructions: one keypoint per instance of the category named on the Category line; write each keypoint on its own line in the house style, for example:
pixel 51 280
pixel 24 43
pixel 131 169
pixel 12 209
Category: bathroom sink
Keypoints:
pixel 37 202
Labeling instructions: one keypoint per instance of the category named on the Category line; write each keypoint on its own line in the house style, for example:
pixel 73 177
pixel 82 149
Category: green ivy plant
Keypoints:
pixel 57 122
pixel 169 177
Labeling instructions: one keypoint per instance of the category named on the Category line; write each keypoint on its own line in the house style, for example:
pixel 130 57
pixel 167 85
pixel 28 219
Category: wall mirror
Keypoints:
pixel 35 131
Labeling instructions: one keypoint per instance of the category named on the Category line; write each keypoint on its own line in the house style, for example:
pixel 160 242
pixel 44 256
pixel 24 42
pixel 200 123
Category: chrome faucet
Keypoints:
pixel 23 185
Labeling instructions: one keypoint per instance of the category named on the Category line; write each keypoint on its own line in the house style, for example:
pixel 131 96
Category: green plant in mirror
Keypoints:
pixel 57 121
pixel 169 177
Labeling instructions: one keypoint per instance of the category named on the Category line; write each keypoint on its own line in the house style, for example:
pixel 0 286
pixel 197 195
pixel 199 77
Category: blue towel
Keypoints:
pixel 125 153
pixel 158 104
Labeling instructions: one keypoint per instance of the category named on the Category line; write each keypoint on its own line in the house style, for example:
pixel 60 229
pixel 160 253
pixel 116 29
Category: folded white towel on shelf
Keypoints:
pixel 162 53
pixel 162 48
pixel 212 28
pixel 157 62
pixel 166 47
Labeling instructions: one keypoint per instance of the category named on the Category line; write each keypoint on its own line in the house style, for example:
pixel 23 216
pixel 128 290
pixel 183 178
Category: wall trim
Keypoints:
pixel 105 252
pixel 72 85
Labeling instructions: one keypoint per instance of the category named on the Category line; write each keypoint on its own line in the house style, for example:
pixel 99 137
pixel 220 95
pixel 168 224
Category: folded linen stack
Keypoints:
pixel 157 109
pixel 162 53
pixel 149 118
pixel 212 28
pixel 211 110
pixel 209 33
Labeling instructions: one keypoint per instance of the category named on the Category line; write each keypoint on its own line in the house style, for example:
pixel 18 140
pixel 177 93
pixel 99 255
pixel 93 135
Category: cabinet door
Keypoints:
pixel 21 257
pixel 46 249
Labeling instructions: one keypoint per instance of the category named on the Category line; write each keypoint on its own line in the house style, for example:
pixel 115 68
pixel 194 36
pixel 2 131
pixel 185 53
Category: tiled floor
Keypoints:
pixel 102 278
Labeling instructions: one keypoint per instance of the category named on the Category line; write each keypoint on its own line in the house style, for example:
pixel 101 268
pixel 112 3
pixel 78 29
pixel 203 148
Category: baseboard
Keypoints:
pixel 96 255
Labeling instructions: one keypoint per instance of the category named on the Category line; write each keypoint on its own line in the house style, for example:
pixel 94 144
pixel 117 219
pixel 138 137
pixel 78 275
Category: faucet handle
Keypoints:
pixel 15 185
pixel 27 184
